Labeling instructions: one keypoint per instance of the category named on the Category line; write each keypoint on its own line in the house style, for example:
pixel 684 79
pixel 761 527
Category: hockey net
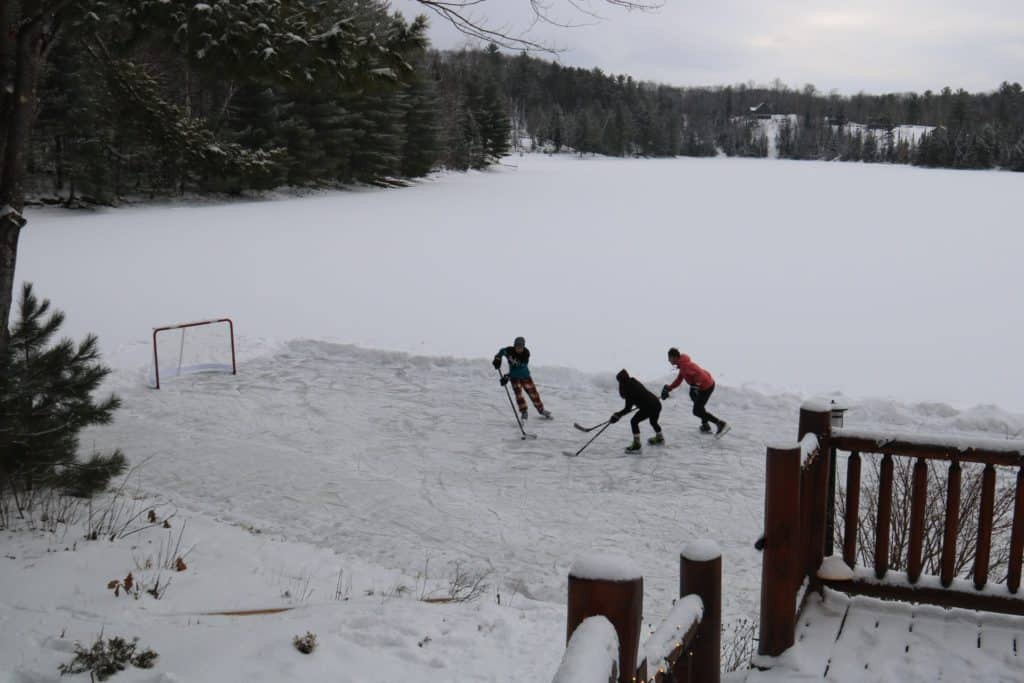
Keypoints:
pixel 190 348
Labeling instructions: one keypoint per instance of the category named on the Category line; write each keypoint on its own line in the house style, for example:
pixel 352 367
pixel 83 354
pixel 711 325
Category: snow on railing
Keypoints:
pixel 888 440
pixel 674 636
pixel 592 655
pixel 610 585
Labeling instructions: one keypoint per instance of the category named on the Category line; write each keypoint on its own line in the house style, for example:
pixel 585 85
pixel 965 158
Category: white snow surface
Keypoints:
pixel 605 566
pixel 771 275
pixel 368 443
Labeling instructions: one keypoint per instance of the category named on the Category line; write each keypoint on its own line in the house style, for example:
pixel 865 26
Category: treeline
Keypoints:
pixel 154 98
pixel 589 111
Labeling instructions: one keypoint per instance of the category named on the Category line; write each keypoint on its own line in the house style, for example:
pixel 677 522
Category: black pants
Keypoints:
pixel 646 414
pixel 700 399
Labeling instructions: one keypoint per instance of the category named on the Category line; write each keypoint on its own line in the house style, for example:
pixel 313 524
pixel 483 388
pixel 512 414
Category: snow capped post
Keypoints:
pixel 816 418
pixel 609 585
pixel 700 573
pixel 782 559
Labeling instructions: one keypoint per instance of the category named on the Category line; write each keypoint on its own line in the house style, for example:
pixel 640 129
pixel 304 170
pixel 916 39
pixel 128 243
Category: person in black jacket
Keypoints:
pixel 648 408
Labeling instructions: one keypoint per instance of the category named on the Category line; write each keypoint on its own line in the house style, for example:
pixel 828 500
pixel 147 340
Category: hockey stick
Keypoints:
pixel 514 411
pixel 573 455
pixel 580 427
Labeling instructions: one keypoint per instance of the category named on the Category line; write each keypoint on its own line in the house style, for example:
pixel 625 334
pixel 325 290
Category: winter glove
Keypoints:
pixel 503 380
pixel 614 418
pixel 664 392
pixel 497 363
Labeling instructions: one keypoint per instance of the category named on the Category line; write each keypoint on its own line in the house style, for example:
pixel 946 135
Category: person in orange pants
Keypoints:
pixel 518 357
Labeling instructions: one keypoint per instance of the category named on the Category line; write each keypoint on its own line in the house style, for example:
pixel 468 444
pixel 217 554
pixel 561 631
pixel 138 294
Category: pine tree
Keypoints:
pixel 495 126
pixel 45 400
pixel 421 149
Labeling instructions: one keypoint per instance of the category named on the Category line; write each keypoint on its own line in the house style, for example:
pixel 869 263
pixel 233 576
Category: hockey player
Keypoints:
pixel 648 408
pixel 701 384
pixel 518 357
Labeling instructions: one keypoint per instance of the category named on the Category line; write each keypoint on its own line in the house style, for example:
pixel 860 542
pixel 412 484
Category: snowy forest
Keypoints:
pixel 158 98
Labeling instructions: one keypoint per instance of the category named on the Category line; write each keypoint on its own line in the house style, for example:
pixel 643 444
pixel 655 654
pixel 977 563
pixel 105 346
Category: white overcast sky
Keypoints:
pixel 873 46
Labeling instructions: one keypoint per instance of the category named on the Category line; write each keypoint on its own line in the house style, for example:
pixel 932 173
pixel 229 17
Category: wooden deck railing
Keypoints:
pixel 800 504
pixel 684 648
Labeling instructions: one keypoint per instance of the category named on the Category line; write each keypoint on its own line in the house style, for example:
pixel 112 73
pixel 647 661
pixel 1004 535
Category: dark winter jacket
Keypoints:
pixel 518 361
pixel 636 394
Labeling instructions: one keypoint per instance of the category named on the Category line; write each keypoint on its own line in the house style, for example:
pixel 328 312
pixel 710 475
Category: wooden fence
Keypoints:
pixel 686 646
pixel 800 493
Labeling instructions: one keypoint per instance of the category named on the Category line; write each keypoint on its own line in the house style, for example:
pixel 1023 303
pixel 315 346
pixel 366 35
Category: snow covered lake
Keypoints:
pixel 366 419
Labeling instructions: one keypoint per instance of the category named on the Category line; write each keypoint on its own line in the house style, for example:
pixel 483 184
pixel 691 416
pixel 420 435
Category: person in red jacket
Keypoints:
pixel 701 384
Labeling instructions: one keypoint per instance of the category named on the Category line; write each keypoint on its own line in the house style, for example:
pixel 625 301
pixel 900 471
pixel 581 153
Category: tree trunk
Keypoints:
pixel 17 125
pixel 8 32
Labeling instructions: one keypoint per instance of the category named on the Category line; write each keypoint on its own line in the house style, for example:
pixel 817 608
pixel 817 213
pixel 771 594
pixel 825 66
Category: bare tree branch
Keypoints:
pixel 458 14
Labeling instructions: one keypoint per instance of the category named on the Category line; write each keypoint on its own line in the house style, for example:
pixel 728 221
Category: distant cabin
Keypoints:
pixel 761 111
pixel 880 123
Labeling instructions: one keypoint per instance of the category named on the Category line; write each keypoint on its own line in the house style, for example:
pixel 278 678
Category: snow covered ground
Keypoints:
pixel 387 468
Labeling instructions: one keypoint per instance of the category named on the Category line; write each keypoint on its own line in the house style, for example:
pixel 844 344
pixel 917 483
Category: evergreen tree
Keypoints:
pixel 45 400
pixel 422 147
pixel 495 126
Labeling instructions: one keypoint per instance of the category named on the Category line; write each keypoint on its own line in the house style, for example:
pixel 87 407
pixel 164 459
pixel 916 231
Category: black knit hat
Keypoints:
pixel 520 341
pixel 622 376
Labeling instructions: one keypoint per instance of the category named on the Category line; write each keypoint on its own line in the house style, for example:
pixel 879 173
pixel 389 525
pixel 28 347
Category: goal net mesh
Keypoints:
pixel 191 348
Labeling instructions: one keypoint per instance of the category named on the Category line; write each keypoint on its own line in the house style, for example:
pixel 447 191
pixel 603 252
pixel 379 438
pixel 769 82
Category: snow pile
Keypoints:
pixel 833 568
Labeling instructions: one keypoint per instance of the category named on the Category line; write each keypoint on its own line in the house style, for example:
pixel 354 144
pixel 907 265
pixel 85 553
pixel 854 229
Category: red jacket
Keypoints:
pixel 694 374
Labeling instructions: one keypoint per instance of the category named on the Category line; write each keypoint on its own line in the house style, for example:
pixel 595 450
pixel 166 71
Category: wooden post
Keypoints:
pixel 817 420
pixel 1017 535
pixel 918 501
pixel 781 566
pixel 852 509
pixel 884 522
pixel 610 586
pixel 700 573
pixel 947 573
pixel 984 548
